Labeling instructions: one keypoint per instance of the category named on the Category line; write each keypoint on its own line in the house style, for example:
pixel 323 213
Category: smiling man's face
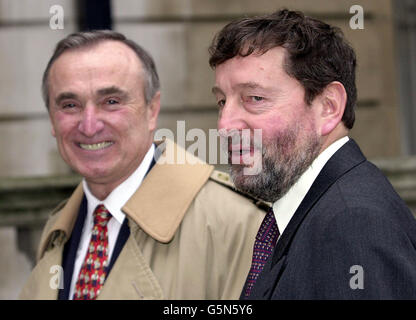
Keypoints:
pixel 98 112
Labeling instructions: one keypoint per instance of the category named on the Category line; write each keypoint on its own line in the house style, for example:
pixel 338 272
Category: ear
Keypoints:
pixel 153 111
pixel 332 106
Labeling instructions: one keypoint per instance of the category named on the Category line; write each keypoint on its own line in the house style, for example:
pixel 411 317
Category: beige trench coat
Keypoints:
pixel 191 238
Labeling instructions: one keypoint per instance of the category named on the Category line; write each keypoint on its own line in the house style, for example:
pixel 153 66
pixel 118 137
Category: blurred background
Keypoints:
pixel 33 178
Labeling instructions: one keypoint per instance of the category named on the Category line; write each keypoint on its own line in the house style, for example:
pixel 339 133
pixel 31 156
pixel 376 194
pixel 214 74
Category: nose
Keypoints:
pixel 231 116
pixel 90 123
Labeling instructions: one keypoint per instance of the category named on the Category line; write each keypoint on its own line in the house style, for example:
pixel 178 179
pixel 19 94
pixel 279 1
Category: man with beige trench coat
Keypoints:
pixel 135 227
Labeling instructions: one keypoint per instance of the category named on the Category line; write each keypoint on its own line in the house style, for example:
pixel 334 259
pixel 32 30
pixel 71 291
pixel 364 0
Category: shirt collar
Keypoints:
pixel 122 193
pixel 285 207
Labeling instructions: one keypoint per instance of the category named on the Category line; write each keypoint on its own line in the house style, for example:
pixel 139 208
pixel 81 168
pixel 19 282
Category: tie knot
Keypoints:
pixel 101 215
pixel 268 231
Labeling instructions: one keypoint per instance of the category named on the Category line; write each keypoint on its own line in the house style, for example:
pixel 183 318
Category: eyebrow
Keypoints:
pixel 100 92
pixel 112 90
pixel 245 85
pixel 65 95
pixel 249 85
pixel 216 90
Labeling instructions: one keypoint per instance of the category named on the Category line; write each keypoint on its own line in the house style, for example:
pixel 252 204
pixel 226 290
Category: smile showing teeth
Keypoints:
pixel 96 146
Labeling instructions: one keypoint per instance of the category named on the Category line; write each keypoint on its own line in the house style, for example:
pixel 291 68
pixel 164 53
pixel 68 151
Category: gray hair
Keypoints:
pixel 86 39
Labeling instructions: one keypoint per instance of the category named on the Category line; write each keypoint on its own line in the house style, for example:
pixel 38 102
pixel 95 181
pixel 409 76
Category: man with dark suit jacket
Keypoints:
pixel 337 230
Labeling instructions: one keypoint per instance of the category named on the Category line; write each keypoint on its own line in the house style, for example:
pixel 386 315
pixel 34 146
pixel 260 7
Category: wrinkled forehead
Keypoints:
pixel 100 53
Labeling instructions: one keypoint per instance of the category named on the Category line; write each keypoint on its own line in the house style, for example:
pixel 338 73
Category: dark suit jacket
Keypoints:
pixel 352 237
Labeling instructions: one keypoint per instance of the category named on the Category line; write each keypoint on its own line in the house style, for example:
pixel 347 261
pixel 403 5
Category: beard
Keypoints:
pixel 283 161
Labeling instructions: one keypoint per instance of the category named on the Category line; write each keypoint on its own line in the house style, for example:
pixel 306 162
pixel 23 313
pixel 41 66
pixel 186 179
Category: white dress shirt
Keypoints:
pixel 114 202
pixel 285 207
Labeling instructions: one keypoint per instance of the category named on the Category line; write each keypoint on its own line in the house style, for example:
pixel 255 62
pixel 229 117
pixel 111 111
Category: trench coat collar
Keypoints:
pixel 158 206
pixel 166 193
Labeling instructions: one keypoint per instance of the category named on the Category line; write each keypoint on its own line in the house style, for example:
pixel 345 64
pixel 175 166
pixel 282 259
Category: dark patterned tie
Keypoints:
pixel 263 246
pixel 94 269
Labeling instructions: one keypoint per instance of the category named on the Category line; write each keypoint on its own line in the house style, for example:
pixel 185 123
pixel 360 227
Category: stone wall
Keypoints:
pixel 27 43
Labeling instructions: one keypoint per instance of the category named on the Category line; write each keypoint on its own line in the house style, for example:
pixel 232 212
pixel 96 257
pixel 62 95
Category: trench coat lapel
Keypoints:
pixel 154 211
pixel 165 195
pixel 131 277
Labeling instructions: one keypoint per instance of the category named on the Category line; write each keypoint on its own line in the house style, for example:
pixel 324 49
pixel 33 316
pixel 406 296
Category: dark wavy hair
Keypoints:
pixel 317 53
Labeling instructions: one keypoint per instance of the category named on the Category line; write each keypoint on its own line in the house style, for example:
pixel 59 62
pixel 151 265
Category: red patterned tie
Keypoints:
pixel 94 269
pixel 263 246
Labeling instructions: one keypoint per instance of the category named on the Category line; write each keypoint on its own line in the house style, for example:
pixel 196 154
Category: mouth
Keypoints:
pixel 240 152
pixel 95 146
pixel 238 155
pixel 238 149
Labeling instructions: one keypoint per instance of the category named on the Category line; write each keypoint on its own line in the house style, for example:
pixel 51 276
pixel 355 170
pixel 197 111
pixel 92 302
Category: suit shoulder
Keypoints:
pixel 367 187
pixel 224 180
